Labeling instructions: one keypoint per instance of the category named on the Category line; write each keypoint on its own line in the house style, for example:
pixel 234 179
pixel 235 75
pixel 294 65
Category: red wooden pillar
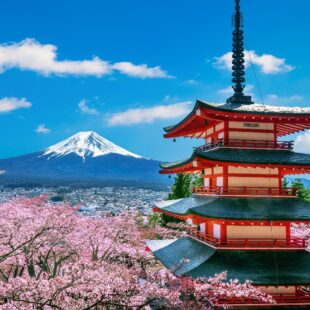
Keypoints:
pixel 288 230
pixel 275 134
pixel 223 232
pixel 280 181
pixel 209 228
pixel 226 135
pixel 225 177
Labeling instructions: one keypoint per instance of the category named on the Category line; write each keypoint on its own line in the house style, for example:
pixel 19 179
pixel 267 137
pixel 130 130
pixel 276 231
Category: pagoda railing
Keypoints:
pixel 244 191
pixel 279 299
pixel 293 242
pixel 279 145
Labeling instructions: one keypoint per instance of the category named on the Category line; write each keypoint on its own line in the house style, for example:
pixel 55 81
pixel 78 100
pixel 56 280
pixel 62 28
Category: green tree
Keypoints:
pixel 285 183
pixel 197 180
pixel 302 192
pixel 181 187
pixel 155 219
pixel 165 219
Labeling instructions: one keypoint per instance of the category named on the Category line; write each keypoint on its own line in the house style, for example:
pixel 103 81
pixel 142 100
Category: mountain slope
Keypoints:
pixel 85 144
pixel 85 158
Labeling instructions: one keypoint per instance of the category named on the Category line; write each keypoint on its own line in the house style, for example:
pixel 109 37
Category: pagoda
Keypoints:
pixel 242 215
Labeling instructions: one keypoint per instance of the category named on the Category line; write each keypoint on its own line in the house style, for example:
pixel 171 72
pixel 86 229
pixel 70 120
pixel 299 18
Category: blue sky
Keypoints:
pixel 126 69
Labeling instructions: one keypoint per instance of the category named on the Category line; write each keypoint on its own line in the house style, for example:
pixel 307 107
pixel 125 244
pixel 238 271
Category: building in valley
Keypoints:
pixel 242 215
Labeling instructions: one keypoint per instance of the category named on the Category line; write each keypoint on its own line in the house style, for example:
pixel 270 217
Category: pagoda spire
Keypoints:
pixel 238 68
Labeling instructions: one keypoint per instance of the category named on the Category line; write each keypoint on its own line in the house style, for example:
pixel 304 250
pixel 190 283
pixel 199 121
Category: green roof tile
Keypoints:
pixel 246 156
pixel 184 248
pixel 261 267
pixel 242 208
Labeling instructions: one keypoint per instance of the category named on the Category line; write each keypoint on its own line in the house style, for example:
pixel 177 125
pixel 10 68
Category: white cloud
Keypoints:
pixel 277 100
pixel 149 115
pixel 267 63
pixel 302 143
pixel 272 99
pixel 228 91
pixel 10 104
pixel 31 55
pixel 190 82
pixel 2 172
pixel 140 71
pixel 84 108
pixel 42 129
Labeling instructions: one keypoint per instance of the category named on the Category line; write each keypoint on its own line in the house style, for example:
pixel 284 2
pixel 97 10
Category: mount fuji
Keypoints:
pixel 86 158
pixel 86 144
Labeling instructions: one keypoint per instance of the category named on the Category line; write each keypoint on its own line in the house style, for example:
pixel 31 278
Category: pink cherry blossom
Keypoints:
pixel 301 231
pixel 51 257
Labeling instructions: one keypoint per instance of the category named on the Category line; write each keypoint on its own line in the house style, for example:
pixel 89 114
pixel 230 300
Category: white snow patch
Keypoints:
pixel 166 203
pixel 87 144
pixel 256 107
pixel 155 245
pixel 2 172
pixel 270 108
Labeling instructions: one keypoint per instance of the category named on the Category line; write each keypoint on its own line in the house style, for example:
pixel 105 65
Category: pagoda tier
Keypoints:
pixel 241 219
pixel 237 209
pixel 240 122
pixel 240 172
pixel 241 223
pixel 259 266
pixel 284 274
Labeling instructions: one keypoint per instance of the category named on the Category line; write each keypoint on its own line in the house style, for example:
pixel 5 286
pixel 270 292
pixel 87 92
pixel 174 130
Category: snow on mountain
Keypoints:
pixel 86 144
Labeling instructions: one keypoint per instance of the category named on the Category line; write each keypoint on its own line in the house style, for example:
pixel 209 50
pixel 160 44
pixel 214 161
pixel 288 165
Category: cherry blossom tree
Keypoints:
pixel 301 231
pixel 52 257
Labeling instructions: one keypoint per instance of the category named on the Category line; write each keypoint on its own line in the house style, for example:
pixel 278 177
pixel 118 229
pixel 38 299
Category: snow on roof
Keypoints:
pixel 155 245
pixel 269 108
pixel 165 203
pixel 257 107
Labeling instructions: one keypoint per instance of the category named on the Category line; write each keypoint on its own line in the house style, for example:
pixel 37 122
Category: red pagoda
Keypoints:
pixel 242 215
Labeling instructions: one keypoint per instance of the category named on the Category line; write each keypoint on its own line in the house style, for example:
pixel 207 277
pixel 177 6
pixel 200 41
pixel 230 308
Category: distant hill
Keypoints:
pixel 85 158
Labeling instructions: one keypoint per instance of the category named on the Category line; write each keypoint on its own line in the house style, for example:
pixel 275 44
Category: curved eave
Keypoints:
pixel 261 267
pixel 259 158
pixel 186 165
pixel 193 112
pixel 230 113
pixel 246 218
pixel 271 113
pixel 243 209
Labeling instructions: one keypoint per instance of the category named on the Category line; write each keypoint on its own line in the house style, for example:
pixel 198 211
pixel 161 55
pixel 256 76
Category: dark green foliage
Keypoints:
pixel 302 192
pixel 169 219
pixel 155 219
pixel 197 180
pixel 58 198
pixel 285 183
pixel 181 187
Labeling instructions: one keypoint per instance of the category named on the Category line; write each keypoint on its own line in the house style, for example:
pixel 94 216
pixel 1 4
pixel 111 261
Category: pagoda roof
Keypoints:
pixel 260 266
pixel 246 112
pixel 266 209
pixel 242 156
pixel 257 108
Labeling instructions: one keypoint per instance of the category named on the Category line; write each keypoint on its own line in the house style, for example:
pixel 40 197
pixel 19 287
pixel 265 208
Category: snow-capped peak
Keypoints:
pixel 86 144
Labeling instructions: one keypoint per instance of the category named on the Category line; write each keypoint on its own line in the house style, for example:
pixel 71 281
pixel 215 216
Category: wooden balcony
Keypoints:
pixel 251 144
pixel 280 300
pixel 249 243
pixel 244 191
